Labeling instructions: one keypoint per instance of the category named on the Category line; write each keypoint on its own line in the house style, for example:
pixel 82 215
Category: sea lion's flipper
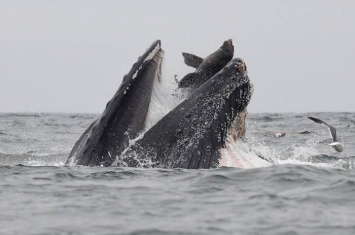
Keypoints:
pixel 192 60
pixel 188 80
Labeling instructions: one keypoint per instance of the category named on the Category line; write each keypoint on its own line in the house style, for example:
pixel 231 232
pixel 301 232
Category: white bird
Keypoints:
pixel 337 145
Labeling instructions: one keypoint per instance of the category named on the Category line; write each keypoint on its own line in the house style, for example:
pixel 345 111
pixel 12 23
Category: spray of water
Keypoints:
pixel 281 151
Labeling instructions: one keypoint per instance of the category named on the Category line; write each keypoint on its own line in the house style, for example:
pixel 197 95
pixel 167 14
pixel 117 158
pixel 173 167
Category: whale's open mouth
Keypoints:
pixel 197 133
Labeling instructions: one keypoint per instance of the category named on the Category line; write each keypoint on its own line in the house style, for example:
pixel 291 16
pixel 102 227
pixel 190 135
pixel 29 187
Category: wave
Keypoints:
pixel 31 158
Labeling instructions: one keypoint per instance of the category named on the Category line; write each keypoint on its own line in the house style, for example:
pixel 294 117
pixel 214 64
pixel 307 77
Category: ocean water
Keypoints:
pixel 309 190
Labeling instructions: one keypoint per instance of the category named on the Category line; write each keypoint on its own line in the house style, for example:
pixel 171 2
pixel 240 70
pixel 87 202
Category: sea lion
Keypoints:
pixel 206 68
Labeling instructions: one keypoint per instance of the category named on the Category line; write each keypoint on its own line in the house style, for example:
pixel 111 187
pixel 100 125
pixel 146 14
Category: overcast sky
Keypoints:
pixel 70 56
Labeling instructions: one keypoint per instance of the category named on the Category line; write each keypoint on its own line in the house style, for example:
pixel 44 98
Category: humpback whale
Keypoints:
pixel 196 132
pixel 200 132
pixel 206 68
pixel 125 115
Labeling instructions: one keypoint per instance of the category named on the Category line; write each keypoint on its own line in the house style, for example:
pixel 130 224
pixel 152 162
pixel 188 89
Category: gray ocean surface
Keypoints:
pixel 309 190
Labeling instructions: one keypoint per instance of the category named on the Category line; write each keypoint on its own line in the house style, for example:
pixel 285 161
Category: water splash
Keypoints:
pixel 42 162
pixel 297 149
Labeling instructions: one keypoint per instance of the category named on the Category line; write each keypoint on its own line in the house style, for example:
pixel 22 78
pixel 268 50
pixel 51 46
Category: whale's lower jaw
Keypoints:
pixel 125 115
pixel 236 154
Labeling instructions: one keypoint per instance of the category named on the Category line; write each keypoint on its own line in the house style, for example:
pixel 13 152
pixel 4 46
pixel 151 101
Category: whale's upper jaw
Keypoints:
pixel 229 101
pixel 193 133
pixel 240 65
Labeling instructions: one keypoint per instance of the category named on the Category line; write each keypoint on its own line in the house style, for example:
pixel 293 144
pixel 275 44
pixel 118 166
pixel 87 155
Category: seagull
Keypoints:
pixel 339 147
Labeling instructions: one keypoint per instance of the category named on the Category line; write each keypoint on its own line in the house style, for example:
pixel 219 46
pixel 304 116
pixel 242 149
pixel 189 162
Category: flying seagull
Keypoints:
pixel 339 147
